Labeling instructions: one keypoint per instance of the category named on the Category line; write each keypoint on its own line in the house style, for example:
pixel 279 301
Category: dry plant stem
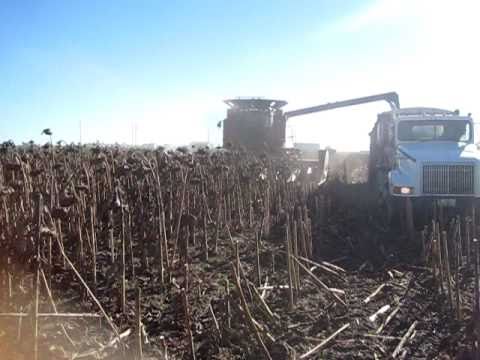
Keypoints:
pixel 296 254
pixel 161 228
pixel 53 315
pixel 130 245
pixel 468 240
pixel 52 302
pixel 138 322
pixel 289 265
pixel 324 268
pixel 19 325
pixel 388 319
pixel 217 227
pixel 111 236
pixel 446 261
pixel 257 252
pixel 382 310
pixel 265 306
pixel 405 337
pixel 334 267
pixel 382 337
pixel 165 241
pixel 182 206
pixel 205 237
pixel 375 293
pixel 36 292
pixel 215 321
pixel 310 237
pixel 232 243
pixel 439 256
pixel 324 343
pixel 35 312
pixel 164 348
pixel 94 245
pixel 264 288
pixel 102 310
pixel 301 234
pixel 459 242
pixel 434 262
pixel 248 315
pixel 227 303
pixel 321 284
pixel 457 265
pixel 123 280
pixel 188 325
pixel 237 256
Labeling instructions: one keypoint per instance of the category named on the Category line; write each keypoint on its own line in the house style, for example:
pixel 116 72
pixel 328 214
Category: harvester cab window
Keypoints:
pixel 434 130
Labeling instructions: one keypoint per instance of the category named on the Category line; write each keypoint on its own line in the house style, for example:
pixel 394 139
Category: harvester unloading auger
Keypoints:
pixel 419 155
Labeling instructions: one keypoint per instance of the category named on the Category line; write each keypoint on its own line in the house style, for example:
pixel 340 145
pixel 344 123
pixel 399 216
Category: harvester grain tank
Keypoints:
pixel 255 123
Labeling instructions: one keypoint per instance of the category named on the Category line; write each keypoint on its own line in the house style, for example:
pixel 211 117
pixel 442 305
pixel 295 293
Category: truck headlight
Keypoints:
pixel 403 190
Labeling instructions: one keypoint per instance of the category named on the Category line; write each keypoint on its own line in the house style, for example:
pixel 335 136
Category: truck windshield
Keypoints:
pixel 431 130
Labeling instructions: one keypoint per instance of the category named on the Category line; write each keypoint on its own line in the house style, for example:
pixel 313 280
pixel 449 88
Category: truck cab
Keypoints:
pixel 424 153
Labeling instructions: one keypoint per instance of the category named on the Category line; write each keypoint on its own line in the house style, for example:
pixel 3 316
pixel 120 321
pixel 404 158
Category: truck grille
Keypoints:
pixel 448 179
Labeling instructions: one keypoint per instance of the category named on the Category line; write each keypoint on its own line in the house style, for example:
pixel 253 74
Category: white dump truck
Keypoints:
pixel 424 153
pixel 419 152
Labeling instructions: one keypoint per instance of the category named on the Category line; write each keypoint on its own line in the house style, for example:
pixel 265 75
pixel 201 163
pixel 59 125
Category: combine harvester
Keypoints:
pixel 420 160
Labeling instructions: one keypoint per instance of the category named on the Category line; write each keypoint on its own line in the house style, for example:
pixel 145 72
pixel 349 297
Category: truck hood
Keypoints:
pixel 441 151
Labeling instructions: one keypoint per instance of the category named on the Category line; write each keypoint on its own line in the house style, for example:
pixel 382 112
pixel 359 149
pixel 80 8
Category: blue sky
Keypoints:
pixel 165 67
